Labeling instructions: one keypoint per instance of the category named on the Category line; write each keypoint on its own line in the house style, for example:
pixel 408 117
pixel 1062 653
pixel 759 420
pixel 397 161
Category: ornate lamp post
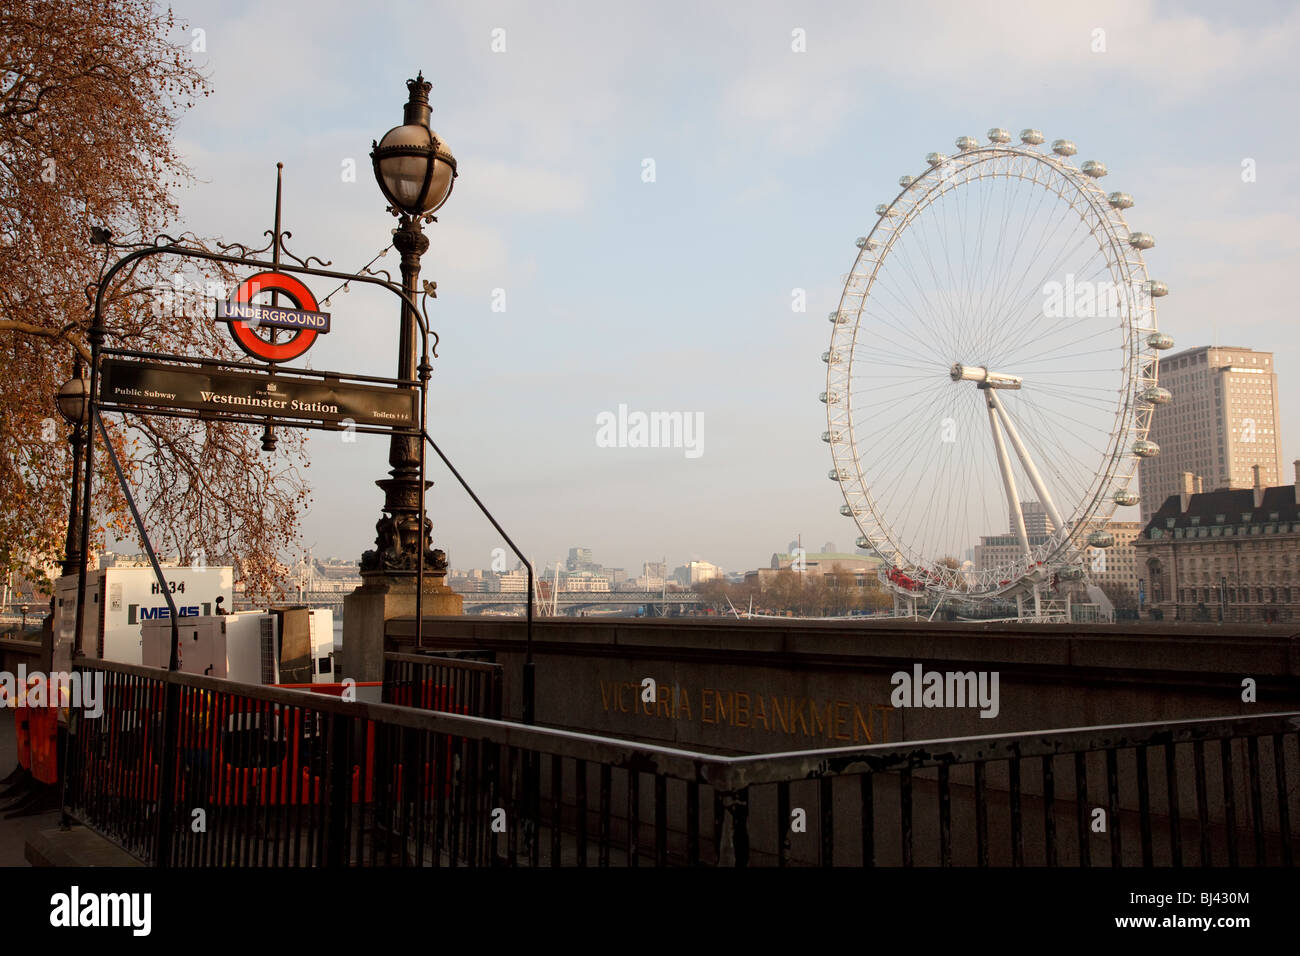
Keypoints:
pixel 415 171
pixel 74 405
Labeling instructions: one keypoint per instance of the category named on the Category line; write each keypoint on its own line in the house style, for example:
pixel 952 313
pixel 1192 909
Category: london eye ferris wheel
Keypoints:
pixel 995 344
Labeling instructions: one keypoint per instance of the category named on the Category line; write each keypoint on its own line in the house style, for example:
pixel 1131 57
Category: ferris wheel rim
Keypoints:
pixel 1123 259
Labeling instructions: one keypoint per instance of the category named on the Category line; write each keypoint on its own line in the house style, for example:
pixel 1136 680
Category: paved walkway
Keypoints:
pixel 15 833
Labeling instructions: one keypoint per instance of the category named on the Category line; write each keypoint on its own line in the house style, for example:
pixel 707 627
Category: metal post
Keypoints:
pixel 71 555
pixel 529 675
pixel 168 766
pixel 403 540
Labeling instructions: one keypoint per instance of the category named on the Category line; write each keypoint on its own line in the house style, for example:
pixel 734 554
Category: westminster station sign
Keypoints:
pixel 259 394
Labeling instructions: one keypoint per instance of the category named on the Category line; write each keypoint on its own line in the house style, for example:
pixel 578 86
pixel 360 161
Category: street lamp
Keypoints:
pixel 414 167
pixel 73 400
pixel 415 171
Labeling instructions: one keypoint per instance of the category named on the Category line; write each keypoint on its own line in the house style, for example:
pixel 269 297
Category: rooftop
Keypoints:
pixel 1236 505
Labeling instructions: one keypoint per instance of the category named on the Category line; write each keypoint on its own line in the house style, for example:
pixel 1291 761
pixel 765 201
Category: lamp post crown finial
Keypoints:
pixel 419 88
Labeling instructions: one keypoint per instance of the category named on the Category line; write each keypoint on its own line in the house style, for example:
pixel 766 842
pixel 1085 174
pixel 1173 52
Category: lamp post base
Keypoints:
pixel 381 598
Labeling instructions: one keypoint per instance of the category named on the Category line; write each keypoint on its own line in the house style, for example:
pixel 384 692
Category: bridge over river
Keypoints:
pixel 476 602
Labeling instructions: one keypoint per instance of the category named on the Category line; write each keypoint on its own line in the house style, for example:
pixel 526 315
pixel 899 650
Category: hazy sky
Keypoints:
pixel 676 294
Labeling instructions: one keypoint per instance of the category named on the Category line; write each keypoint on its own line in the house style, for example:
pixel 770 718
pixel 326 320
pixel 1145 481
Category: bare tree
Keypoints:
pixel 90 93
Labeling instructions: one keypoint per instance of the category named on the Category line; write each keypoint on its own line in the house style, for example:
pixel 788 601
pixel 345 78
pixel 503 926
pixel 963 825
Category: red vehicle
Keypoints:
pixel 238 752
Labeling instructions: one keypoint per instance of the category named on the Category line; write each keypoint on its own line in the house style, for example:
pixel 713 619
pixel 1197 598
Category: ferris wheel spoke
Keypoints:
pixel 1018 332
pixel 987 311
pixel 1023 363
pixel 1010 305
pixel 911 334
pixel 1060 447
pixel 911 340
pixel 929 325
pixel 942 294
pixel 1029 330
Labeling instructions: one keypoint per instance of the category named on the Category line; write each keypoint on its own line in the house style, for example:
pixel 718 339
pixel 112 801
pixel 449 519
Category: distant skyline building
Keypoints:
pixel 999 550
pixel 585 581
pixel 1223 420
pixel 580 559
pixel 515 582
pixel 1116 568
pixel 653 574
pixel 1037 521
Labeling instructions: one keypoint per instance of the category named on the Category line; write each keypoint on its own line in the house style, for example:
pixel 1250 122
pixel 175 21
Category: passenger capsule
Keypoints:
pixel 1070 574
pixel 1120 200
pixel 846 510
pixel 1126 498
pixel 1155 289
pixel 1141 240
pixel 998 135
pixel 936 159
pixel 837 474
pixel 862 242
pixel 838 318
pixel 966 142
pixel 831 438
pixel 1101 539
pixel 1094 168
pixel 1145 449
pixel 829 398
pixel 906 181
pixel 863 541
pixel 1032 137
pixel 1160 340
pixel 1155 395
pixel 883 209
pixel 1063 147
pixel 831 358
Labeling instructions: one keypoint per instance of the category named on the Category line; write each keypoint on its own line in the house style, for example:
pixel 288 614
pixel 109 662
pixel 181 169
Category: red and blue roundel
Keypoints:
pixel 252 325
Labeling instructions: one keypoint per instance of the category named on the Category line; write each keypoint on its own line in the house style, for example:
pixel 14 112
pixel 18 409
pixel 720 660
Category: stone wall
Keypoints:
pixel 762 686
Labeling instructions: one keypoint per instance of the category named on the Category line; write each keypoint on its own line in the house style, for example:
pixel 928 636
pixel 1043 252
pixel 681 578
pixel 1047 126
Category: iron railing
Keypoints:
pixel 452 684
pixel 267 776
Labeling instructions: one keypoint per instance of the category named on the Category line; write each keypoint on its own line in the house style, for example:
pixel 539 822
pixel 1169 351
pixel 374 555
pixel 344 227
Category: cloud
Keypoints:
pixel 514 188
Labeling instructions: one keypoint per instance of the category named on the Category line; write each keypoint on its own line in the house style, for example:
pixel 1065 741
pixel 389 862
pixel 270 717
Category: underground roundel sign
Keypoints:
pixel 273 333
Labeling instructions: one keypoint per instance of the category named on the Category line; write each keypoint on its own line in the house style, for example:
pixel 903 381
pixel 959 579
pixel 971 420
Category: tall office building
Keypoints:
pixel 1223 420
pixel 1037 521
pixel 579 560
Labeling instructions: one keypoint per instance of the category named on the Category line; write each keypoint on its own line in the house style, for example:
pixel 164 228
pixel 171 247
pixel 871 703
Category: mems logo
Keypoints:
pixel 135 613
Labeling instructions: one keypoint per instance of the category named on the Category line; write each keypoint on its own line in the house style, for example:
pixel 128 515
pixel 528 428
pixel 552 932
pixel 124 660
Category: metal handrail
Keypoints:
pixel 456 662
pixel 733 773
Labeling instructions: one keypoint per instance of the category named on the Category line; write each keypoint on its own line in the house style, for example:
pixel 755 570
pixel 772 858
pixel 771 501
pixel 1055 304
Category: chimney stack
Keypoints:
pixel 1259 490
pixel 1200 484
pixel 1185 498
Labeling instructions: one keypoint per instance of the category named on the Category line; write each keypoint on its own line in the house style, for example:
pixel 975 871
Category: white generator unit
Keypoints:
pixel 280 646
pixel 120 600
